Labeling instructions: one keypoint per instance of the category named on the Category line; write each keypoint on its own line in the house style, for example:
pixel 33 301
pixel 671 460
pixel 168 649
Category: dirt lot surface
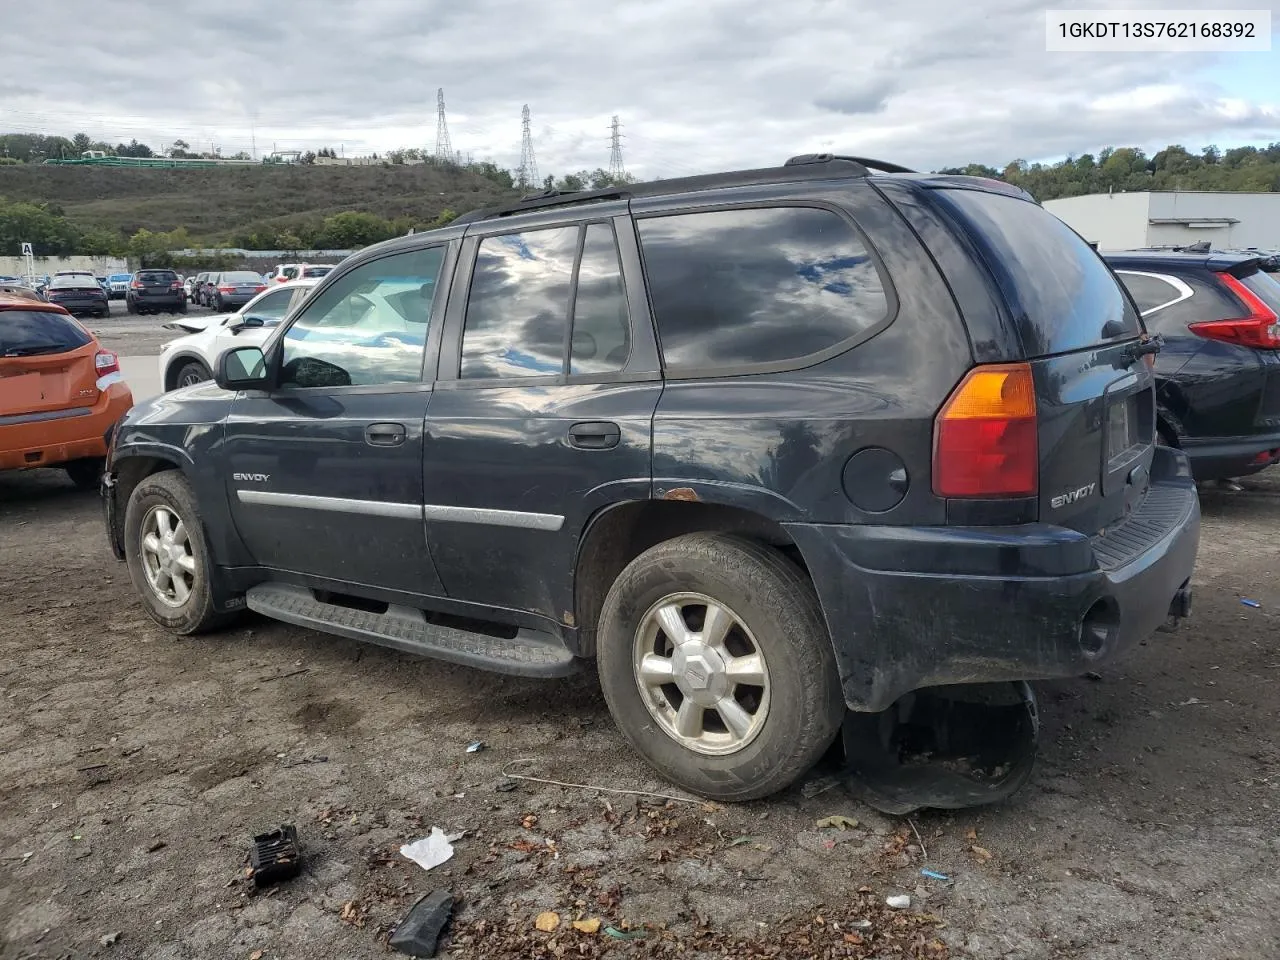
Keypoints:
pixel 135 767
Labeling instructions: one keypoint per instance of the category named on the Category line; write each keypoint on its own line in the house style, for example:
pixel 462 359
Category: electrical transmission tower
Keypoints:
pixel 616 170
pixel 528 172
pixel 444 149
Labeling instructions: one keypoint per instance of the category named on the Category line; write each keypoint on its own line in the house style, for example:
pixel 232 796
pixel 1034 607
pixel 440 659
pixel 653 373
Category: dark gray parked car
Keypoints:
pixel 233 288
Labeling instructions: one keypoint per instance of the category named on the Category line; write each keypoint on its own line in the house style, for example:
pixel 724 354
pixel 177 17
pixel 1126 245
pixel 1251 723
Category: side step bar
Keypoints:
pixel 530 653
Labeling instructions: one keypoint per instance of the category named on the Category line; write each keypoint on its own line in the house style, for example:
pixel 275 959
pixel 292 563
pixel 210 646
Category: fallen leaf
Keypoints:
pixel 982 854
pixel 838 822
pixel 546 922
pixel 353 913
pixel 587 926
pixel 257 955
pixel 972 834
pixel 740 841
pixel 529 822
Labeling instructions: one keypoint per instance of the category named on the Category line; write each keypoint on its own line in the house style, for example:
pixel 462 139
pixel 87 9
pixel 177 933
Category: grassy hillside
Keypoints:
pixel 212 204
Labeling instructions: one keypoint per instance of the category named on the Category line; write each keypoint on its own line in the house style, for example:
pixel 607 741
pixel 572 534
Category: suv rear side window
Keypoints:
pixel 1151 292
pixel 741 288
pixel 25 333
pixel 518 308
pixel 1063 296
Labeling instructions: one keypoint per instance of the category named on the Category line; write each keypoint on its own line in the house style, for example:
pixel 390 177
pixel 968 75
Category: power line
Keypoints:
pixel 528 172
pixel 444 149
pixel 616 169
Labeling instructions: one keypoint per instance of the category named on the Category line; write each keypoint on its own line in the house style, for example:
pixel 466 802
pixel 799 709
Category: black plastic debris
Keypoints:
pixel 275 856
pixel 943 747
pixel 420 929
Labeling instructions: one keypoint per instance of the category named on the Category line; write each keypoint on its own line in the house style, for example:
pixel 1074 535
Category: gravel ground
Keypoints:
pixel 135 767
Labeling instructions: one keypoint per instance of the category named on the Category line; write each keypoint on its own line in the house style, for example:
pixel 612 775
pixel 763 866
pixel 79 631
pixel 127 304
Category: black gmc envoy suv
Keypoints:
pixel 765 445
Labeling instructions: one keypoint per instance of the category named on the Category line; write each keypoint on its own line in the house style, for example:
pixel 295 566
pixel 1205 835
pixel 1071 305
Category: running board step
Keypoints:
pixel 531 653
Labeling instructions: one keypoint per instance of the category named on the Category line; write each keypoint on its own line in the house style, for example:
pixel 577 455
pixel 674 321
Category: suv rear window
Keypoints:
pixel 152 276
pixel 757 286
pixel 1062 294
pixel 30 332
pixel 1265 288
pixel 311 272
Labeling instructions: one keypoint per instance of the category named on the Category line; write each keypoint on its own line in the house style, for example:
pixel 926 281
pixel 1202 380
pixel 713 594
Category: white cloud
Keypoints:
pixel 699 86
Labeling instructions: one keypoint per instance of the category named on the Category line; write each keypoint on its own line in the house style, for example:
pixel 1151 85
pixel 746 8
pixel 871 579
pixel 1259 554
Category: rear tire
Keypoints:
pixel 164 543
pixel 773 674
pixel 192 373
pixel 182 306
pixel 86 473
pixel 130 306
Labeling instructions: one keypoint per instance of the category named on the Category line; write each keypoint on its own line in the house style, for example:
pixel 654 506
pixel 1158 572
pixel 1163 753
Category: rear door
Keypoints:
pixel 543 407
pixel 1095 400
pixel 153 284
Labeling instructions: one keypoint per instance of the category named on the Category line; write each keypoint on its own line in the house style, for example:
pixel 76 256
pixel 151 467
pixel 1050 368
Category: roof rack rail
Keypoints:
pixel 822 167
pixel 882 165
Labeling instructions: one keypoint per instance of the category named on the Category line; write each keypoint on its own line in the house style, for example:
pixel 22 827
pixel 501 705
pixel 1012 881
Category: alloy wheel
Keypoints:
pixel 167 558
pixel 701 674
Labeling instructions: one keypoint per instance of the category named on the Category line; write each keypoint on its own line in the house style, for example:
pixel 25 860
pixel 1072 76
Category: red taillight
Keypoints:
pixel 226 289
pixel 1259 329
pixel 260 287
pixel 176 285
pixel 106 362
pixel 985 441
pixel 137 284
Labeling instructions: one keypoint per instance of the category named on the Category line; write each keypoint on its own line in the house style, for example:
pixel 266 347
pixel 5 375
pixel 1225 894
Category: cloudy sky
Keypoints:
pixel 698 84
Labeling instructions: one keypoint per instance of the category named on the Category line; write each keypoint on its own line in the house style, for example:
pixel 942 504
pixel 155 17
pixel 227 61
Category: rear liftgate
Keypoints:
pixel 943 747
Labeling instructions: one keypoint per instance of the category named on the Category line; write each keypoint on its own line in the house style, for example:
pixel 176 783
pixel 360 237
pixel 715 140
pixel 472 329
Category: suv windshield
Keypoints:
pixel 29 332
pixel 1062 294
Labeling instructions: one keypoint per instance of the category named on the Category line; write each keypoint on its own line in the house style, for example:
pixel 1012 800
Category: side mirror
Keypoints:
pixel 247 322
pixel 242 368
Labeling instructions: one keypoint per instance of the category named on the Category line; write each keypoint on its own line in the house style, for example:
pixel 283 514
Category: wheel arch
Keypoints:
pixel 177 362
pixel 617 534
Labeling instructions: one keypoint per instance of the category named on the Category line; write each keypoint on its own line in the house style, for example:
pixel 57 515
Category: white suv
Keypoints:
pixel 193 358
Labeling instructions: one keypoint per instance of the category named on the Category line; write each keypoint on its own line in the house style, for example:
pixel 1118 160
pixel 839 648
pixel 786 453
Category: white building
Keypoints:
pixel 1124 221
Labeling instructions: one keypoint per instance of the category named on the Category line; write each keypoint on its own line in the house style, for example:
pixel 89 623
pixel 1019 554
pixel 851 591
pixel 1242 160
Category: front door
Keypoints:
pixel 324 472
pixel 543 408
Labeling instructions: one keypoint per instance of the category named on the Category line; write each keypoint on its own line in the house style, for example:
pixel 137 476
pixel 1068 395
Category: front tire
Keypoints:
pixel 169 560
pixel 717 666
pixel 191 373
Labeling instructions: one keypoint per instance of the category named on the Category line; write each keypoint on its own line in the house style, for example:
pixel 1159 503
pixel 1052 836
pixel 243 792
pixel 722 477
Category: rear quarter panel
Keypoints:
pixel 777 443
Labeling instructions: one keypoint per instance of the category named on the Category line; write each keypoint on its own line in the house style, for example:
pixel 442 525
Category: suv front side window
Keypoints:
pixel 370 327
pixel 758 286
pixel 271 306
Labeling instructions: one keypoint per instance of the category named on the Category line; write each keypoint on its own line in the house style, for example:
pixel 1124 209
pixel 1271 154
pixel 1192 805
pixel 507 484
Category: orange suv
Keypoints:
pixel 61 394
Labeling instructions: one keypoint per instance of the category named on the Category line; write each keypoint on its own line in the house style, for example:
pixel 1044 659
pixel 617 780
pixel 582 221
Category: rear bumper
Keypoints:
pixel 160 300
pixel 1217 458
pixel 912 607
pixel 50 442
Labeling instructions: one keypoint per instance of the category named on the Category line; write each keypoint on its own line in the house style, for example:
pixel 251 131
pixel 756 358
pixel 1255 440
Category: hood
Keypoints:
pixel 196 324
